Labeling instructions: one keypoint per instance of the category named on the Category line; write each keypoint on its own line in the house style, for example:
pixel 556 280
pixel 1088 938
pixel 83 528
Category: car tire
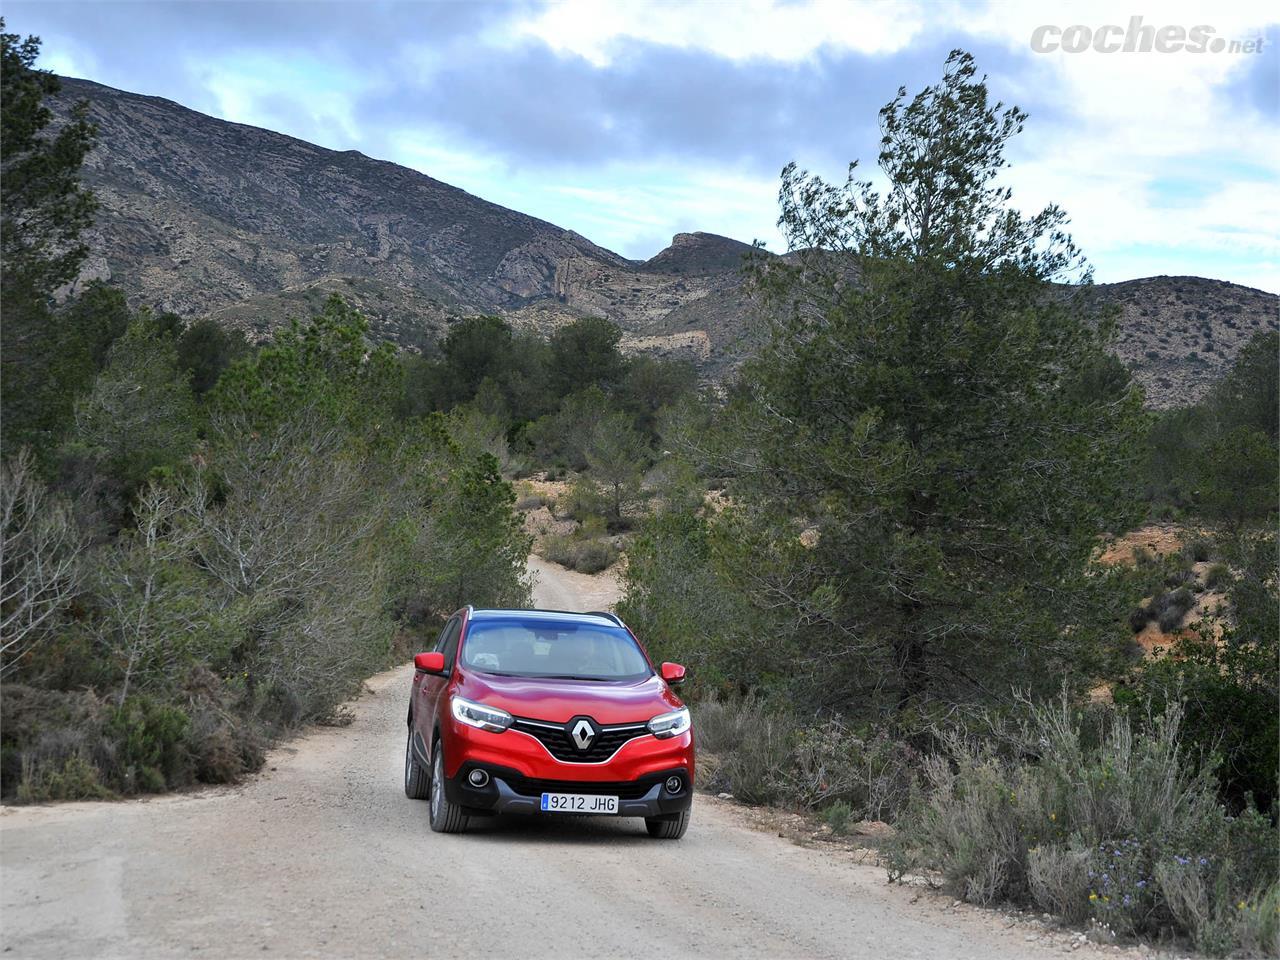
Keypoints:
pixel 667 829
pixel 446 817
pixel 417 781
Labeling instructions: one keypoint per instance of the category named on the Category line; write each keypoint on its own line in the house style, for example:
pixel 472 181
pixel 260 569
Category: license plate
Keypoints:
pixel 578 803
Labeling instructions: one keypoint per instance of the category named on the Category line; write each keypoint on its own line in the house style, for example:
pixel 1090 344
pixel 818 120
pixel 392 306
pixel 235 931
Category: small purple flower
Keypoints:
pixel 1182 861
pixel 1204 861
pixel 1142 884
pixel 1127 899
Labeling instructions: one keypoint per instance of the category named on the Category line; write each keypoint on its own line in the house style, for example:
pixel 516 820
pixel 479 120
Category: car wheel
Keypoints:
pixel 446 817
pixel 417 782
pixel 668 829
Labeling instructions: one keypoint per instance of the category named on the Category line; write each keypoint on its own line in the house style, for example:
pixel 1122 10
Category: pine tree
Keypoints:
pixel 43 210
pixel 928 412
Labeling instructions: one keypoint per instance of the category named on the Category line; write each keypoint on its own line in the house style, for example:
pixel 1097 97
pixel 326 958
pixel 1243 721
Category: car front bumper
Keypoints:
pixel 509 791
pixel 521 769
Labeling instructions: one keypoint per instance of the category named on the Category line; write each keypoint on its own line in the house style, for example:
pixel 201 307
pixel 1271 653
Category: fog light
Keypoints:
pixel 478 778
pixel 674 784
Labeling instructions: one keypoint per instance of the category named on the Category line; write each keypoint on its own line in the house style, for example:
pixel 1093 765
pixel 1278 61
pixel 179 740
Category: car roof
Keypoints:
pixel 594 617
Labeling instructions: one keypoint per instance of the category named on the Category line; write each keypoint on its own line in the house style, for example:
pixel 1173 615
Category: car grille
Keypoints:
pixel 624 790
pixel 560 745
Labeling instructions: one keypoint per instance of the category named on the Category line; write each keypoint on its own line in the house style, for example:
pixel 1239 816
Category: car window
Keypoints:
pixel 528 647
pixel 450 647
pixel 443 635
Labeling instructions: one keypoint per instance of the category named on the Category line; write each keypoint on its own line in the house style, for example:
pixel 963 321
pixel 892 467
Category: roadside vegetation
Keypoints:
pixel 205 543
pixel 896 610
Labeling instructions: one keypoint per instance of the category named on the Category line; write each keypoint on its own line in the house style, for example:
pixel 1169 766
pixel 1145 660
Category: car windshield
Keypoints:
pixel 564 649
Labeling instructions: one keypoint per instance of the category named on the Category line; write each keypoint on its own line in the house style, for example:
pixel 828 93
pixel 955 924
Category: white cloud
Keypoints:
pixel 750 29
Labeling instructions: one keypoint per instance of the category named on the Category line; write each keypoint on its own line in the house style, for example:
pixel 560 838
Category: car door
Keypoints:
pixel 431 686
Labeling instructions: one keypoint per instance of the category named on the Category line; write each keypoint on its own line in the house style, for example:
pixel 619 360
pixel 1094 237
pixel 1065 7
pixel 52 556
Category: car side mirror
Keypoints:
pixel 429 662
pixel 673 673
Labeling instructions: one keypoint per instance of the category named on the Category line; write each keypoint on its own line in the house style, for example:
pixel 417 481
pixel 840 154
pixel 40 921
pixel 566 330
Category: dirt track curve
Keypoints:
pixel 322 855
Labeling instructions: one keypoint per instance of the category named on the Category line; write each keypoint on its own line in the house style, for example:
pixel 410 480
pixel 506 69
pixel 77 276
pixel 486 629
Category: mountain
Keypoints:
pixel 208 218
pixel 1179 335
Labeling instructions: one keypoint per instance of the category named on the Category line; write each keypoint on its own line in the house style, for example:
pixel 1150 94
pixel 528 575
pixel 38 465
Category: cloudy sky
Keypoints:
pixel 631 121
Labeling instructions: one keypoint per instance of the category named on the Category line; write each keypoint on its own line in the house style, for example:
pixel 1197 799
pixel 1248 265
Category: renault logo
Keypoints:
pixel 583 732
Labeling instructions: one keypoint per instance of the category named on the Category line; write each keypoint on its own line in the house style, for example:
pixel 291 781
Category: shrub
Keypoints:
pixel 587 549
pixel 873 773
pixel 724 724
pixel 838 817
pixel 75 779
pixel 1143 557
pixel 223 747
pixel 582 501
pixel 595 556
pixel 813 767
pixel 1058 878
pixel 1217 576
pixel 1115 824
pixel 1228 903
pixel 744 747
pixel 151 745
pixel 1257 923
pixel 54 744
pixel 1123 894
pixel 1169 608
pixel 529 499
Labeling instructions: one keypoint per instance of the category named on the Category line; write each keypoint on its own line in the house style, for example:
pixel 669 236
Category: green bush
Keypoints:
pixel 754 769
pixel 1058 877
pixel 761 755
pixel 75 779
pixel 587 549
pixel 1218 575
pixel 1197 550
pixel 54 744
pixel 151 745
pixel 70 746
pixel 1257 923
pixel 1120 825
pixel 839 817
pixel 1168 609
pixel 223 752
pixel 582 501
pixel 870 771
pixel 594 556
pixel 744 748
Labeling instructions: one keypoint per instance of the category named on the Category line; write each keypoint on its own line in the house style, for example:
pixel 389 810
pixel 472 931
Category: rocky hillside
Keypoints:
pixel 1180 334
pixel 199 214
pixel 204 217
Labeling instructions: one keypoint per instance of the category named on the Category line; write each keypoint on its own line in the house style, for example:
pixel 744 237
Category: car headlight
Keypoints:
pixel 478 715
pixel 667 725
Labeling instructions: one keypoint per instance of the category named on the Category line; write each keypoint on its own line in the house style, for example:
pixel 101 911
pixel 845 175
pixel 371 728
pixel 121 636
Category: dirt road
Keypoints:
pixel 322 855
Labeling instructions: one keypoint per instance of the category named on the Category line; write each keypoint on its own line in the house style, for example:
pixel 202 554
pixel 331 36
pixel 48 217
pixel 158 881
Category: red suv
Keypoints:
pixel 537 711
